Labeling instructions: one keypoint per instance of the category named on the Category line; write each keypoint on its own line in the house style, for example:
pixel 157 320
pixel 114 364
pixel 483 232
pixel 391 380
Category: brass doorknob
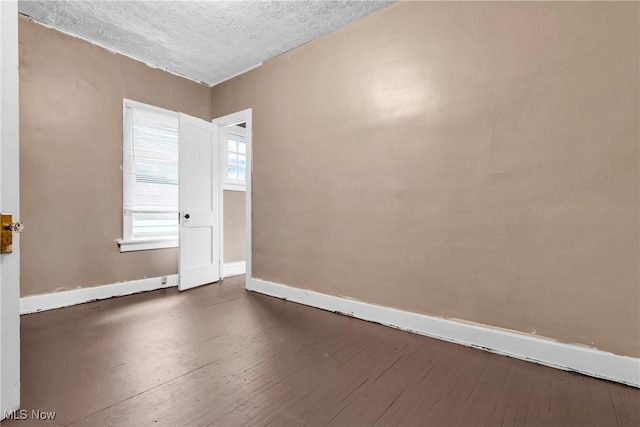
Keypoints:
pixel 7 228
pixel 16 227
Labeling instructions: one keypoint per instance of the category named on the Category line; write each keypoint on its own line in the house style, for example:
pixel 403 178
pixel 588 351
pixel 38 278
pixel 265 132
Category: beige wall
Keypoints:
pixel 71 154
pixel 234 226
pixel 476 161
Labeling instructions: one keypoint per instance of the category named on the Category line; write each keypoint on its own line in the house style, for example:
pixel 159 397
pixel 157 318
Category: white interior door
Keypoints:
pixel 9 203
pixel 200 202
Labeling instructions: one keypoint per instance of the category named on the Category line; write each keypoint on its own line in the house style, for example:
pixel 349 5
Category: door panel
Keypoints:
pixel 200 193
pixel 9 203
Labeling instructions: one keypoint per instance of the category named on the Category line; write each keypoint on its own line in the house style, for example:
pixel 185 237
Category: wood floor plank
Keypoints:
pixel 219 379
pixel 630 401
pixel 385 384
pixel 462 385
pixel 481 401
pixel 442 385
pixel 538 410
pixel 219 355
pixel 315 378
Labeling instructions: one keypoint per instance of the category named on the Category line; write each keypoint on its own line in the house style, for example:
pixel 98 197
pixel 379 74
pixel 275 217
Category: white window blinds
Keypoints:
pixel 150 172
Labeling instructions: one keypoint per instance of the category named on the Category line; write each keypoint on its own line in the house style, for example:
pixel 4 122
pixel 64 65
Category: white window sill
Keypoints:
pixel 146 244
pixel 234 187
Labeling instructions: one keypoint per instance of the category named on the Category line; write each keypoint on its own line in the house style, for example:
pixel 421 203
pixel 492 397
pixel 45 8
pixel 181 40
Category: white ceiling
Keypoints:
pixel 207 41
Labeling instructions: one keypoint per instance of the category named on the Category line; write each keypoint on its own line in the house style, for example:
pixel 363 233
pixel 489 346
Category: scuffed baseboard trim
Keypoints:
pixel 544 351
pixel 35 303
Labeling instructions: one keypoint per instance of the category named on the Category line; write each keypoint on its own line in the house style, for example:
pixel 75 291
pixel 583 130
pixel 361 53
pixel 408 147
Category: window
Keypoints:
pixel 150 177
pixel 235 158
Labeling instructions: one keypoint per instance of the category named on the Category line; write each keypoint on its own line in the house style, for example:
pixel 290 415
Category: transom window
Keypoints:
pixel 237 166
pixel 236 158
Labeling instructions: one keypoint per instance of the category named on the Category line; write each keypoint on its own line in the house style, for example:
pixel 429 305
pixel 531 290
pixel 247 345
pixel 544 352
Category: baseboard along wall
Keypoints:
pixel 544 351
pixel 51 301
pixel 35 303
pixel 234 268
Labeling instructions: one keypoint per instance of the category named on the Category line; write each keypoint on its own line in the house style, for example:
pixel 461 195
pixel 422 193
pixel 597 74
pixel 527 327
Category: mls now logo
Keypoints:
pixel 16 414
pixel 23 414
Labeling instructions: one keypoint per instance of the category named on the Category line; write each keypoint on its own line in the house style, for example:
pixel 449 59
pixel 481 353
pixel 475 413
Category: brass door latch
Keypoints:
pixel 7 228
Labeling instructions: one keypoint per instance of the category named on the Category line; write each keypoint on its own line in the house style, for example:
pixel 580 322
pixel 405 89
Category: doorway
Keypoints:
pixel 235 136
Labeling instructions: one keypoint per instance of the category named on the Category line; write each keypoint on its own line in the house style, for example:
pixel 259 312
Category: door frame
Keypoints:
pixel 229 120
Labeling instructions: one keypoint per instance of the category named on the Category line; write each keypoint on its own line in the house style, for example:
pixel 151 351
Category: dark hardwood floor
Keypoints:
pixel 219 355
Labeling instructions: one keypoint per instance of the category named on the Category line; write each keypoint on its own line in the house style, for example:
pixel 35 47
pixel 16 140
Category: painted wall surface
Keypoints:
pixel 71 155
pixel 234 226
pixel 476 161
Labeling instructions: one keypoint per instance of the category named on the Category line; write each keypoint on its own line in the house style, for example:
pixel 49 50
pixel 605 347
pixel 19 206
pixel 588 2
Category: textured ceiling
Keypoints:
pixel 207 41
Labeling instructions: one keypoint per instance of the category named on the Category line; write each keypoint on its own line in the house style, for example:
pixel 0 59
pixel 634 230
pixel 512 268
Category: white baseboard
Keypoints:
pixel 35 303
pixel 585 360
pixel 234 268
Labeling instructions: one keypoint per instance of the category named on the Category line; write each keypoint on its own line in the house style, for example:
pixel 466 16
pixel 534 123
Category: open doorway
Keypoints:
pixel 234 160
pixel 235 154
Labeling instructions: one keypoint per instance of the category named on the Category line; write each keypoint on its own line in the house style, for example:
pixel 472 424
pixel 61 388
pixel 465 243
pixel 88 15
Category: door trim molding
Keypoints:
pixel 36 303
pixel 544 351
pixel 231 119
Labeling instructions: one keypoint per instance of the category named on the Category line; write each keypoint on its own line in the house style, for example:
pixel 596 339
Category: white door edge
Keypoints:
pixel 10 203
